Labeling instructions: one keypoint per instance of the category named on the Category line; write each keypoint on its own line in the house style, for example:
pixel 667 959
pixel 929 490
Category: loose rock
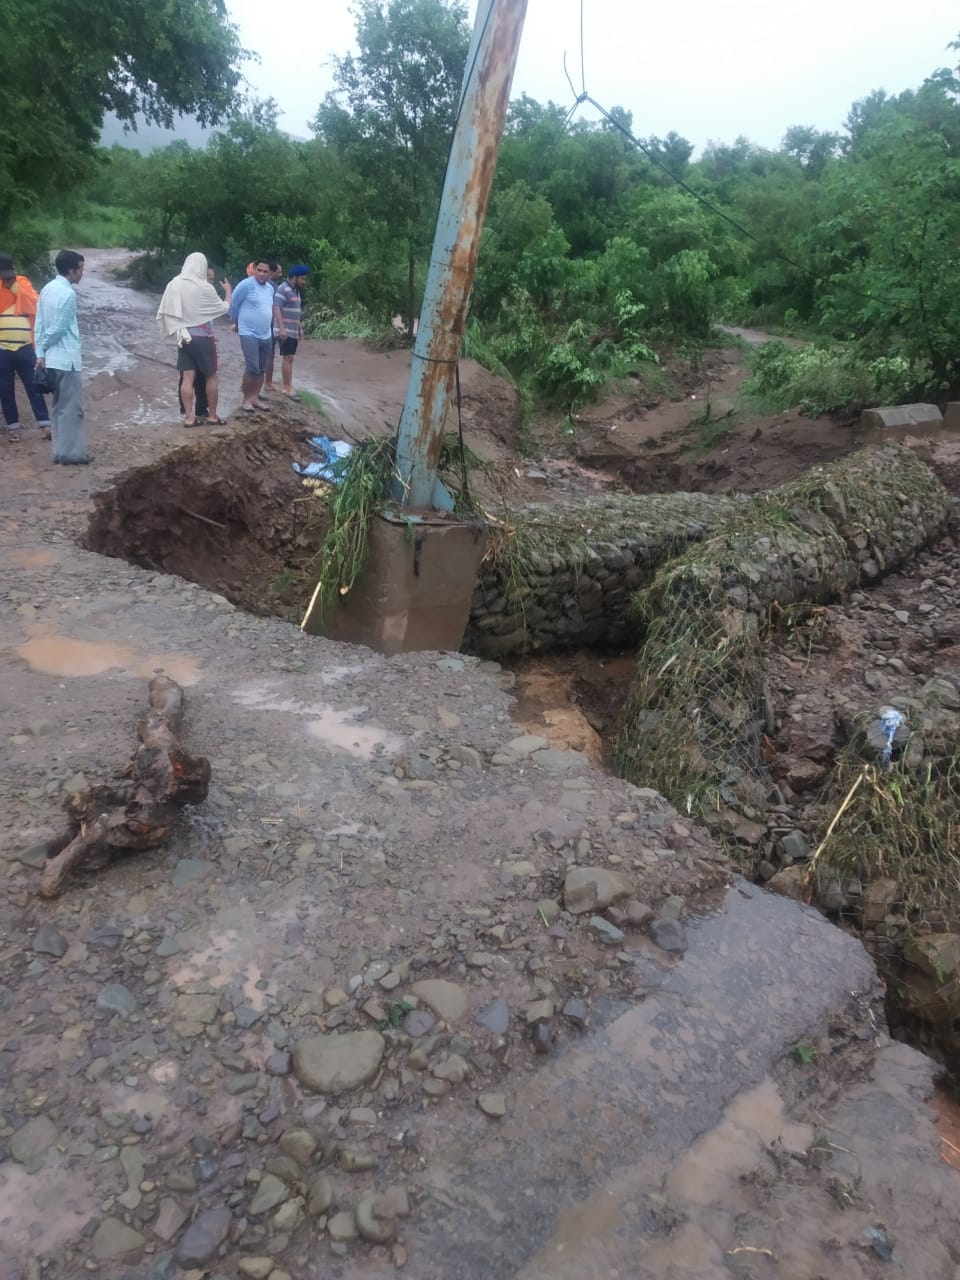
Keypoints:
pixel 299 1144
pixel 594 888
pixel 342 1226
pixel 605 933
pixel 336 1062
pixel 669 935
pixel 204 1236
pixel 32 1140
pixel 115 998
pixel 270 1192
pixel 114 1239
pixel 47 941
pixel 446 999
pixel 375 1222
pixel 319 1195
pixel 495 1017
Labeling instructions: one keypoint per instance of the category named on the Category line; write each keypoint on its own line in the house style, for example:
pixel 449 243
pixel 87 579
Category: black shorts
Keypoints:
pixel 198 356
pixel 288 346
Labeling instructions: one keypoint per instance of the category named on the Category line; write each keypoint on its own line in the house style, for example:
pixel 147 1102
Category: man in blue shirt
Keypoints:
pixel 251 310
pixel 57 343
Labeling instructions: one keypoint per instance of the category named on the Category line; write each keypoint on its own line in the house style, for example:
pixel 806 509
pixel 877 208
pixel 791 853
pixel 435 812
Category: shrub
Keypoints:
pixel 826 379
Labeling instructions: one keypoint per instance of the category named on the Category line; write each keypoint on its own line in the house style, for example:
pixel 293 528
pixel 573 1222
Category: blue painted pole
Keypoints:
pixel 453 262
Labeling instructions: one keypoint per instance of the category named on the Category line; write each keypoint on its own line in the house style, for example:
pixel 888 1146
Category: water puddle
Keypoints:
pixel 55 655
pixel 232 956
pixel 336 727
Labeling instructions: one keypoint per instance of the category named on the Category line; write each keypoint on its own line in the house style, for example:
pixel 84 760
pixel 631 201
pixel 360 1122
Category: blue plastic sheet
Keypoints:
pixel 328 453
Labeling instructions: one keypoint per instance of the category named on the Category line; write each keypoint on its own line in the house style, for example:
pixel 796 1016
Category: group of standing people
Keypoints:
pixel 40 345
pixel 266 312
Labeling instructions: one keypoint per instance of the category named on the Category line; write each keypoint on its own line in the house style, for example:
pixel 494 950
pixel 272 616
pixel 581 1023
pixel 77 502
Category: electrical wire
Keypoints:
pixel 776 253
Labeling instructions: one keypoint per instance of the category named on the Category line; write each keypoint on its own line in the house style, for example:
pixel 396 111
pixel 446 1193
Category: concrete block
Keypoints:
pixel 415 590
pixel 903 415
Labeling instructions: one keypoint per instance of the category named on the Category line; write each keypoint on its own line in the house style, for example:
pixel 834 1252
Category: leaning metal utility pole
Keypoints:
pixel 466 191
pixel 417 585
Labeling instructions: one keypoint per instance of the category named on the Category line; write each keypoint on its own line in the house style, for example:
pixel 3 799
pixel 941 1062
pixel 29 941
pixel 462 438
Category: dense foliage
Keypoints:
pixel 599 249
pixel 65 63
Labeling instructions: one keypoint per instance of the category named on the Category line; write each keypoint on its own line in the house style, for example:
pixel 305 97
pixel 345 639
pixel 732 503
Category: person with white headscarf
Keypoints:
pixel 188 308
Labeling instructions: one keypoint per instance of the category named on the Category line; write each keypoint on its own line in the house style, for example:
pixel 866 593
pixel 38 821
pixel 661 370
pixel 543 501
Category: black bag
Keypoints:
pixel 42 380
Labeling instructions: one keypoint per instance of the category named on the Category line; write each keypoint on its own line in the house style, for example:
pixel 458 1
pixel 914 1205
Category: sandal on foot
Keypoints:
pixel 247 410
pixel 292 395
pixel 14 435
pixel 192 423
pixel 215 422
pixel 46 430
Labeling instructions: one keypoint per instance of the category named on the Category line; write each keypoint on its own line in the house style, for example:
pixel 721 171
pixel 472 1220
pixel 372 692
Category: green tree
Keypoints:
pixel 65 63
pixel 392 115
pixel 889 246
pixel 810 148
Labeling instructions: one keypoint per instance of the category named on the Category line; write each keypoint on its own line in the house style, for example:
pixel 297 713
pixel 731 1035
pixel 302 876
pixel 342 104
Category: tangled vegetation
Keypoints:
pixel 695 715
pixel 900 822
pixel 363 483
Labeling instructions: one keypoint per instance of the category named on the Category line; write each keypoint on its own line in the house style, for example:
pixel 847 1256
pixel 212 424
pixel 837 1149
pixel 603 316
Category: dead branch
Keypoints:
pixel 137 810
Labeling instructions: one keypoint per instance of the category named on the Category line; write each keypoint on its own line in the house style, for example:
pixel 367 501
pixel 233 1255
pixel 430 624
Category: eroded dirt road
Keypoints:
pixel 348 1023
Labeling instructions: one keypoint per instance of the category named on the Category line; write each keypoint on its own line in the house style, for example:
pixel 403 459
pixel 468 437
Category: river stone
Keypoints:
pixel 258 1268
pixel 553 760
pixel 493 1105
pixel 446 999
pixel 170 1219
pixel 203 1237
pixel 334 1062
pixel 47 941
pixel 549 911
pixel 594 888
pixel 114 1239
pixel 278 1063
pixel 605 933
pixel 418 1022
pixel 116 998
pixel 527 744
pixel 33 1140
pixel 289 1216
pixel 495 1017
pixel 374 1220
pixel 319 1195
pixel 669 935
pixel 268 1195
pixel 342 1226
pixel 300 1144
pixel 577 1011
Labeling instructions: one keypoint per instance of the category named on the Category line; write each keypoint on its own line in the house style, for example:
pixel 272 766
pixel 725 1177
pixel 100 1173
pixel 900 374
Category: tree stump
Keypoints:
pixel 138 809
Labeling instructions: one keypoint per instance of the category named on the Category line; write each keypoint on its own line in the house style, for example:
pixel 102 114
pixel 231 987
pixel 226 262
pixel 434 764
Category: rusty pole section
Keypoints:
pixel 466 192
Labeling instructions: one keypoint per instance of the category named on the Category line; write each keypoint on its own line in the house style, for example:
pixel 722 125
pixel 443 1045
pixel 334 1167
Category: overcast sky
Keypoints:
pixel 710 69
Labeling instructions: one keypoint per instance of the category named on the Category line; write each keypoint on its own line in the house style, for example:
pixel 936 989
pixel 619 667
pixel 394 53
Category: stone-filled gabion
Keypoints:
pixel 563 576
pixel 693 719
